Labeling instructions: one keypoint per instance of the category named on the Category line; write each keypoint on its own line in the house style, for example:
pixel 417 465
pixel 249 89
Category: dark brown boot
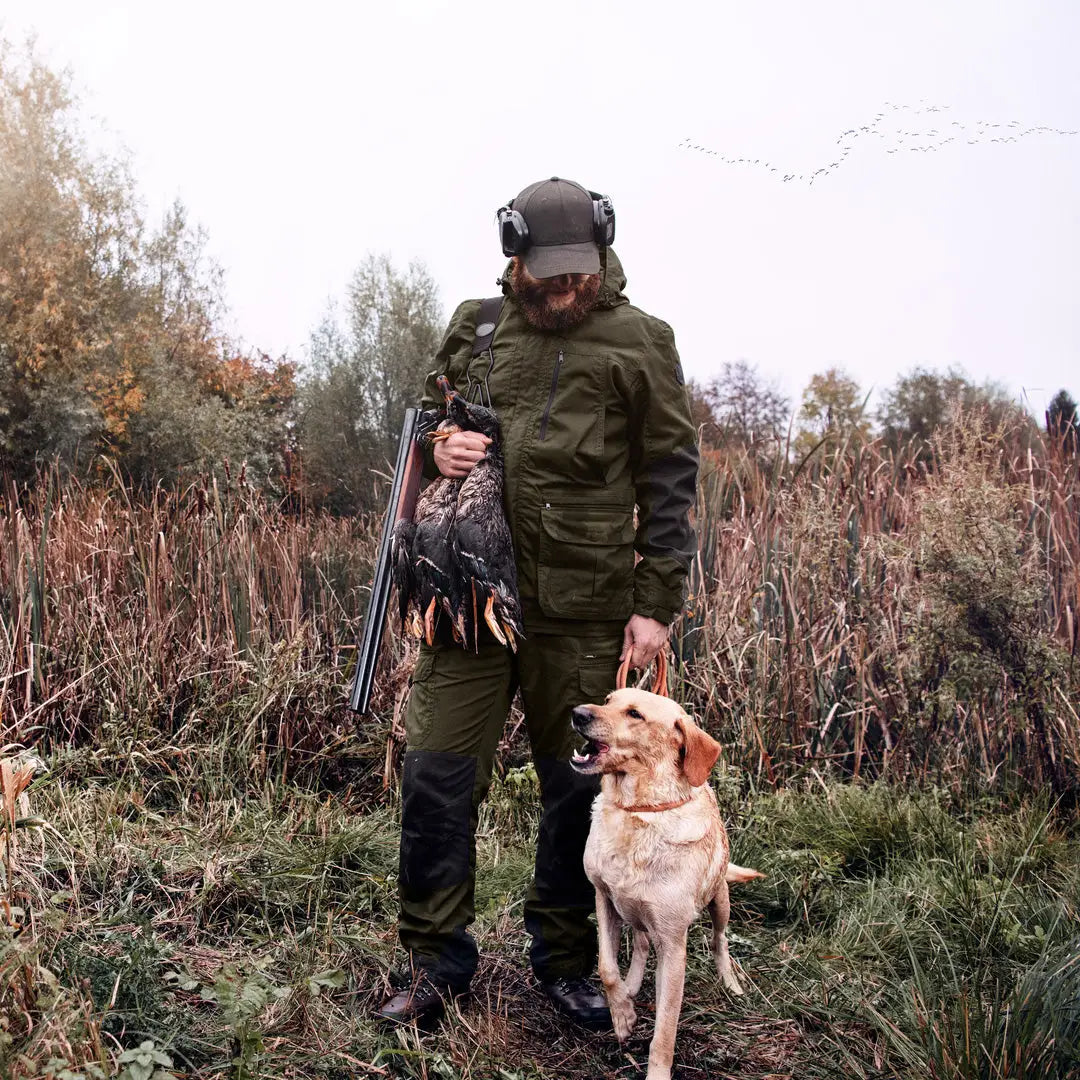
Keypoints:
pixel 422 1002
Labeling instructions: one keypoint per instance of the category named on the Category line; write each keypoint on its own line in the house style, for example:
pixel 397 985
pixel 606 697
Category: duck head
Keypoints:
pixel 467 416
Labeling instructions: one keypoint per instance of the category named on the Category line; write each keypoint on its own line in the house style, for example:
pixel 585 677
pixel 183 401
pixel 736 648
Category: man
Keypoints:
pixel 595 420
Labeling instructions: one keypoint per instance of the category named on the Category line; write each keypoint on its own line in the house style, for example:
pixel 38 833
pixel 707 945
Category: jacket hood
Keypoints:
pixel 612 281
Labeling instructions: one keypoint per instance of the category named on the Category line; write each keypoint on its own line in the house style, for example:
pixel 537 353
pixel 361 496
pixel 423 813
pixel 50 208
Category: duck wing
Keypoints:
pixel 401 563
pixel 433 561
pixel 437 498
pixel 484 551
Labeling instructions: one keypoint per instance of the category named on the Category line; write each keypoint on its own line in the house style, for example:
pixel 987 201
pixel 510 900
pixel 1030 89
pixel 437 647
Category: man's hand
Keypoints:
pixel 643 638
pixel 458 453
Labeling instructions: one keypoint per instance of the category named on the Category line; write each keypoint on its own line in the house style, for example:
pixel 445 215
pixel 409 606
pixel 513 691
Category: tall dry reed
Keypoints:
pixel 179 618
pixel 870 613
pixel 888 614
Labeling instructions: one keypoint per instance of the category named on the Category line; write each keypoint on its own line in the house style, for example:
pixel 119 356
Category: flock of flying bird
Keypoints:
pixel 898 140
pixel 455 558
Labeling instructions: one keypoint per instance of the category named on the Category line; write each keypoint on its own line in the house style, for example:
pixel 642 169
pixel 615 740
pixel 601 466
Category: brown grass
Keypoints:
pixel 840 616
pixel 882 616
pixel 125 620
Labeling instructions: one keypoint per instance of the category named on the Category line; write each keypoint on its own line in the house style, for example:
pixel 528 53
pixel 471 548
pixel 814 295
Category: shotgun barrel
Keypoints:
pixel 402 503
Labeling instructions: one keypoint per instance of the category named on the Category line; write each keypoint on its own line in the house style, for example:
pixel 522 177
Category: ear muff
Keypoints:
pixel 603 220
pixel 513 231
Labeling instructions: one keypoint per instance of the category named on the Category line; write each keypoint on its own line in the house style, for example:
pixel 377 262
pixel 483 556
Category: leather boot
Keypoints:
pixel 423 1002
pixel 577 998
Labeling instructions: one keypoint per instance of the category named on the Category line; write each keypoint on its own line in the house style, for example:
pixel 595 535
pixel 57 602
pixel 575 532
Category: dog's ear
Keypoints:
pixel 699 751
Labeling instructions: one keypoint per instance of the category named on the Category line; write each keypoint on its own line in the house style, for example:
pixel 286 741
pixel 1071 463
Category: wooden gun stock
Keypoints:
pixel 402 503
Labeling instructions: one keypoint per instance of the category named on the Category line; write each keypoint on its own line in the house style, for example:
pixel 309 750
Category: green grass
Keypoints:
pixel 896 934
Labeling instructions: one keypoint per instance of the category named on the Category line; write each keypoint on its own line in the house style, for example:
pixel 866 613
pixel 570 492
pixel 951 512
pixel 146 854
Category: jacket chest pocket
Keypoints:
pixel 586 562
pixel 569 438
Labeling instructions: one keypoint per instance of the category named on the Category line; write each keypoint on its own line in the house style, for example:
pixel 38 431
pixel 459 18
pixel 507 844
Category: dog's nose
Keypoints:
pixel 580 716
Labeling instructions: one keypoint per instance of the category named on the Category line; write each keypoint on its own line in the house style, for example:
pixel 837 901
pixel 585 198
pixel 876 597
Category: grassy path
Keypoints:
pixel 250 936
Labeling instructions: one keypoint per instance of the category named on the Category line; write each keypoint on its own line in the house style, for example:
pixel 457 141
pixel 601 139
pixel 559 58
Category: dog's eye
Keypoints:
pixel 635 714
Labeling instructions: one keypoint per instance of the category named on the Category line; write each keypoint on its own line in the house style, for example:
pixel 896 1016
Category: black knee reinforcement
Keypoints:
pixel 436 826
pixel 564 828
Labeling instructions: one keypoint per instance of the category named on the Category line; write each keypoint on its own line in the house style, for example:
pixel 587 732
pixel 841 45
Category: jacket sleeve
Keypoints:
pixel 451 360
pixel 664 459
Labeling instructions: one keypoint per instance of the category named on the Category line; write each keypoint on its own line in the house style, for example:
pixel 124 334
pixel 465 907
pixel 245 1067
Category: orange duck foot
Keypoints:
pixel 443 433
pixel 429 623
pixel 492 622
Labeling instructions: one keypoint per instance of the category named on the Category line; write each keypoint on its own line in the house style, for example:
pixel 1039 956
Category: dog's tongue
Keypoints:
pixel 589 751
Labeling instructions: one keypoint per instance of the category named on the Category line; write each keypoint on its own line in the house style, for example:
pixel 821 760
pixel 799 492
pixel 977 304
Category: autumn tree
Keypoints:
pixel 367 365
pixel 110 339
pixel 739 407
pixel 1063 421
pixel 833 411
pixel 66 258
pixel 922 401
pixel 202 401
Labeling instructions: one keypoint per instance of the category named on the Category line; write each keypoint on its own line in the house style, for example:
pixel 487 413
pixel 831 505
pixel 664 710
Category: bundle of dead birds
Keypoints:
pixel 455 559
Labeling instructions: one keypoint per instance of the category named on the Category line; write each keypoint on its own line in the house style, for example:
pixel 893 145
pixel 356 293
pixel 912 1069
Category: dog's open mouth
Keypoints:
pixel 588 755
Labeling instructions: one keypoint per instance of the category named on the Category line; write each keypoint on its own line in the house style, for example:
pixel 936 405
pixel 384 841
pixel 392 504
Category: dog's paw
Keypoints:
pixel 623 1017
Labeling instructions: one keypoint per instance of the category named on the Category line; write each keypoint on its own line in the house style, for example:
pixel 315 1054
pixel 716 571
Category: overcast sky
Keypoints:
pixel 304 136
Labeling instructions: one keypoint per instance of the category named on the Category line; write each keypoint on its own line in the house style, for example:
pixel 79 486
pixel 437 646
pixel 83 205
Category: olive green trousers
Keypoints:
pixel 455 718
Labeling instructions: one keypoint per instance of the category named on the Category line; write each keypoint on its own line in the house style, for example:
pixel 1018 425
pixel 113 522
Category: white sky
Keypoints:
pixel 304 136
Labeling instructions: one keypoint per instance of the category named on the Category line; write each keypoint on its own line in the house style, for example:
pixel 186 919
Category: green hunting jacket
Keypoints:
pixel 595 421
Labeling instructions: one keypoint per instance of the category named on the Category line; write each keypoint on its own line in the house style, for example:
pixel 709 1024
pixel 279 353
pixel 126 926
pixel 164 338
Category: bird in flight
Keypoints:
pixel 926 139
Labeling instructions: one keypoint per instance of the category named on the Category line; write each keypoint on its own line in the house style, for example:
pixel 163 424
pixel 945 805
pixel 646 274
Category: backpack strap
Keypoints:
pixel 486 319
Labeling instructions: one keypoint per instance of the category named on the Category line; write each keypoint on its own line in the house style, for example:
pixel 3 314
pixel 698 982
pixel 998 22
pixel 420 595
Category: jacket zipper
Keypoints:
pixel 551 398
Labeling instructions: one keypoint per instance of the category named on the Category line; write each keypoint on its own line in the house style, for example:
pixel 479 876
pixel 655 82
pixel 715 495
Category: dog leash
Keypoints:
pixel 659 685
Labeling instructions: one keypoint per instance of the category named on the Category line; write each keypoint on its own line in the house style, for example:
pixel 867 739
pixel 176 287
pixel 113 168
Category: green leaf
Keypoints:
pixel 139 1063
pixel 181 979
pixel 331 980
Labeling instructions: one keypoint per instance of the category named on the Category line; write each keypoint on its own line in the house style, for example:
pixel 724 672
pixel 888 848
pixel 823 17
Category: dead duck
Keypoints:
pixel 422 550
pixel 483 550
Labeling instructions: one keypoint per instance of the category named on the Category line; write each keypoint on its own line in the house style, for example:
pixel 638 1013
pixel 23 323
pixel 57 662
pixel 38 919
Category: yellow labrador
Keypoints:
pixel 657 852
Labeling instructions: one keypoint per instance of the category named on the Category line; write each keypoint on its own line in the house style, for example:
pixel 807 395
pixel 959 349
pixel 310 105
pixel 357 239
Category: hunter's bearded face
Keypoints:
pixel 554 303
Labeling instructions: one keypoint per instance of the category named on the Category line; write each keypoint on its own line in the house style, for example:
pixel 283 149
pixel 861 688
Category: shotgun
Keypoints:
pixel 402 503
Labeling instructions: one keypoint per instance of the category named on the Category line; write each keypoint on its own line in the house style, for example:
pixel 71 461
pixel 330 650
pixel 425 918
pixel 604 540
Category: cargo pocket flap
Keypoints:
pixel 587 525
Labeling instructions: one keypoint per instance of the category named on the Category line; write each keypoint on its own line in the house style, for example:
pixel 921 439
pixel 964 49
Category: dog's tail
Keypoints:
pixel 737 875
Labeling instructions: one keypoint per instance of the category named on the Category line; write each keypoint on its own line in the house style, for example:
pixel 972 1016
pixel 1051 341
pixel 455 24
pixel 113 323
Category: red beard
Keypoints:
pixel 535 300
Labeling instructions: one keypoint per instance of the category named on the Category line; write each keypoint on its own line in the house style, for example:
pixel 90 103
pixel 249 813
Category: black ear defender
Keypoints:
pixel 513 231
pixel 603 220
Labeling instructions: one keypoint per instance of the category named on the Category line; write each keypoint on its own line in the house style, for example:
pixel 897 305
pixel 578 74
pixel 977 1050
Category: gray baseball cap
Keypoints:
pixel 559 214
